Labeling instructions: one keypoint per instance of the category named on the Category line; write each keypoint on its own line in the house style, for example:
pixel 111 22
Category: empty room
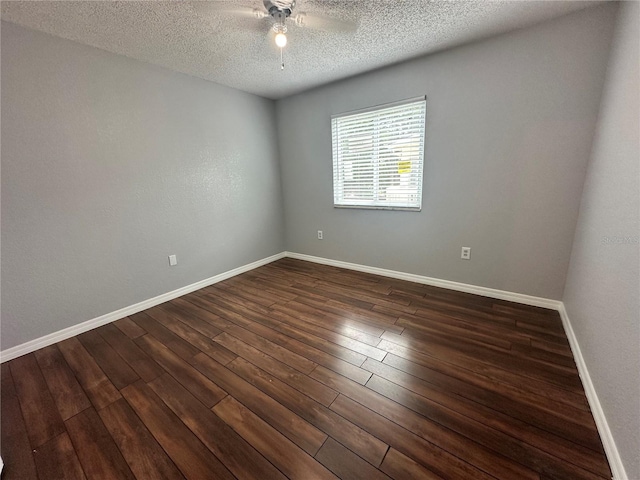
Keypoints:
pixel 320 239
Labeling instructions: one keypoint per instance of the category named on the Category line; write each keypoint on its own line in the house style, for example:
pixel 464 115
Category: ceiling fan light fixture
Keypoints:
pixel 281 39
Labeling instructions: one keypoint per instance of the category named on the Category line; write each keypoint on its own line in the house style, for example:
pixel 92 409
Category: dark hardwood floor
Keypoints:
pixel 298 370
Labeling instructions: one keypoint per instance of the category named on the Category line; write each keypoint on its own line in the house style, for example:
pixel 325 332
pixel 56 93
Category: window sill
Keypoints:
pixel 377 207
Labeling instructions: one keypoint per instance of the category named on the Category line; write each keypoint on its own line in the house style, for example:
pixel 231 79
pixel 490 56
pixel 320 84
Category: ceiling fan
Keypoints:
pixel 280 11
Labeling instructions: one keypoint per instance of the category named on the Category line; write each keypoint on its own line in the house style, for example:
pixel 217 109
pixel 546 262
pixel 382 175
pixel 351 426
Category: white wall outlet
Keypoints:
pixel 320 235
pixel 173 260
pixel 466 253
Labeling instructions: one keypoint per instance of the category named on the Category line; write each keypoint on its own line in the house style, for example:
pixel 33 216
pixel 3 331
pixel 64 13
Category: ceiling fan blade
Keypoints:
pixel 319 22
pixel 208 8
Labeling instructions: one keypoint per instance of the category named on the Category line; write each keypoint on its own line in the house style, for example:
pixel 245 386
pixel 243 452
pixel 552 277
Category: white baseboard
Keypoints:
pixel 615 462
pixel 436 282
pixel 74 330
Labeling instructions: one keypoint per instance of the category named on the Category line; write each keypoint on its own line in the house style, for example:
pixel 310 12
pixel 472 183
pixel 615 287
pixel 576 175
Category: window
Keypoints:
pixel 378 155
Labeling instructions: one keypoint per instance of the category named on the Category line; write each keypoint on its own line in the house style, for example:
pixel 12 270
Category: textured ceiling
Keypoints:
pixel 239 51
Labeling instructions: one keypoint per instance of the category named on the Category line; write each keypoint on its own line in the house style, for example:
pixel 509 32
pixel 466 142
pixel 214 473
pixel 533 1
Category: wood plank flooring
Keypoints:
pixel 303 371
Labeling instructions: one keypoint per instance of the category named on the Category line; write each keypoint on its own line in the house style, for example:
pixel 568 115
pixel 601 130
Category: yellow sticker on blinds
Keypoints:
pixel 404 166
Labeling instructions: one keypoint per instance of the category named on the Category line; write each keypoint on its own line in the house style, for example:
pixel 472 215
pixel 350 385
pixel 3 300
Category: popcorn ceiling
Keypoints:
pixel 239 51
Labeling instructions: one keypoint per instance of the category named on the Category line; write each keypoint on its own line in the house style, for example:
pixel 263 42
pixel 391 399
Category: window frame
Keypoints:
pixel 375 168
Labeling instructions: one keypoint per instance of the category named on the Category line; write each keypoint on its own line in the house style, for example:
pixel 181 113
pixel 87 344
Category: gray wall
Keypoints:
pixel 509 128
pixel 602 295
pixel 110 165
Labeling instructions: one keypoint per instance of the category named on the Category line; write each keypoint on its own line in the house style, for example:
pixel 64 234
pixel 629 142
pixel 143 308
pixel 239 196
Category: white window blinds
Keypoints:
pixel 378 156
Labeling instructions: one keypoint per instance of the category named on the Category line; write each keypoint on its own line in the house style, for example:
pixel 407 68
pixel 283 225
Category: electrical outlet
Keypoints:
pixel 173 260
pixel 320 235
pixel 466 253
